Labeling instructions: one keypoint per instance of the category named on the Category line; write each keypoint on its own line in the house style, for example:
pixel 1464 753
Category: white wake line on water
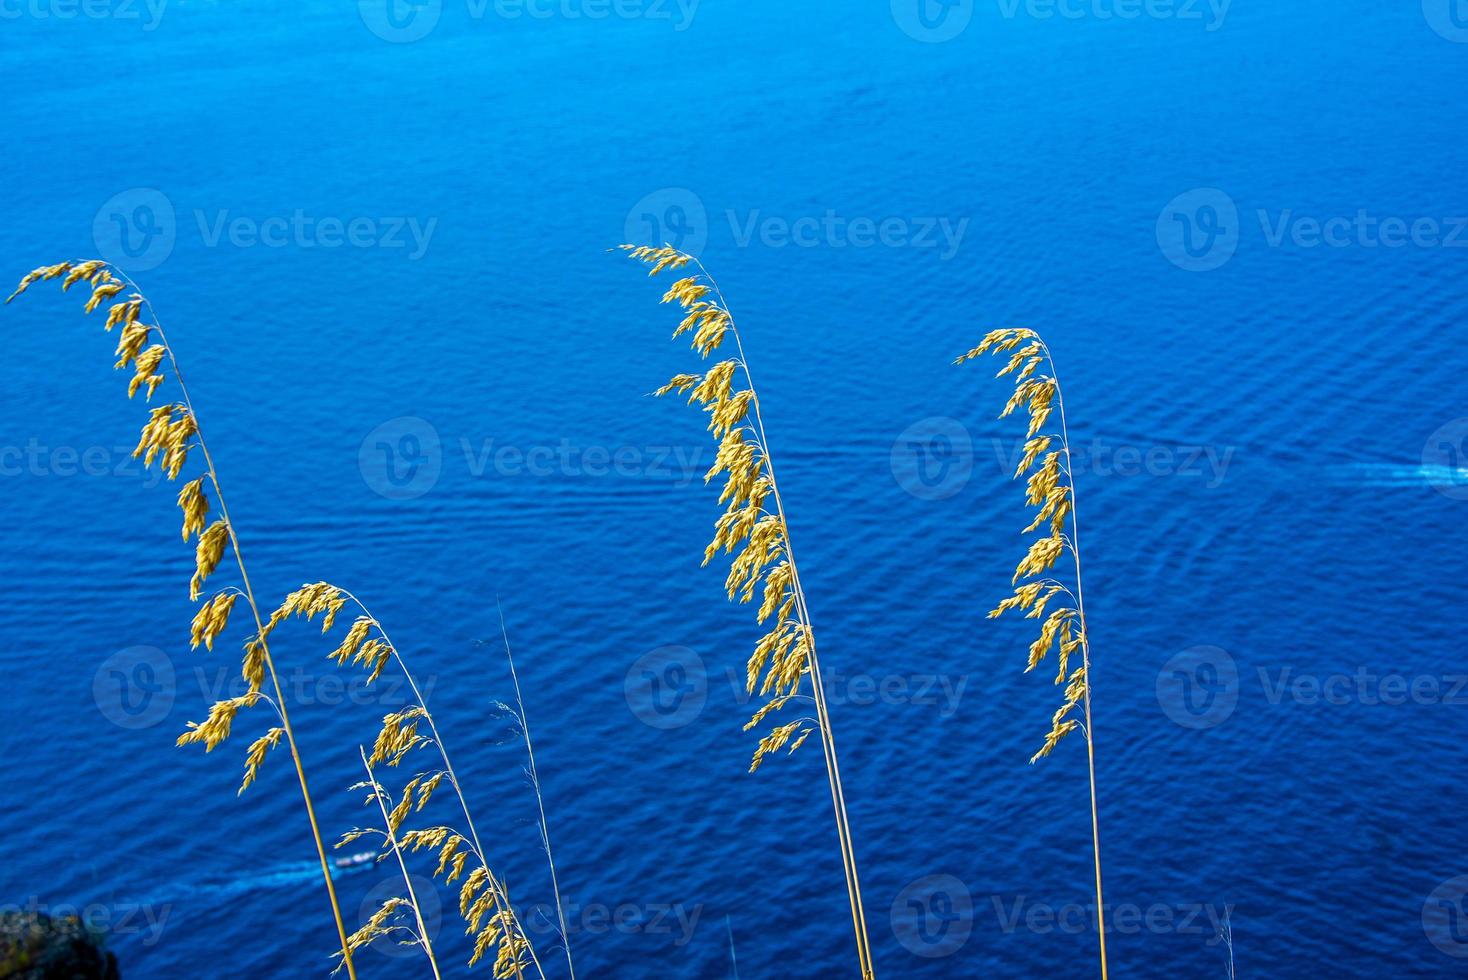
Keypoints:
pixel 1399 475
pixel 223 883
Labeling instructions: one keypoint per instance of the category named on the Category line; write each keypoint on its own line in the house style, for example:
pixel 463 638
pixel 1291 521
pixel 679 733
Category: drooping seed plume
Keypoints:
pixel 753 532
pixel 1059 608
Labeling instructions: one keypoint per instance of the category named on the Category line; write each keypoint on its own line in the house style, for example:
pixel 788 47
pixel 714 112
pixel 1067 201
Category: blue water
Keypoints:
pixel 1271 486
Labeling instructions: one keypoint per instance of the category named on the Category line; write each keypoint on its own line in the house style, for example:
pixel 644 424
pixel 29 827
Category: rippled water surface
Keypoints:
pixel 382 261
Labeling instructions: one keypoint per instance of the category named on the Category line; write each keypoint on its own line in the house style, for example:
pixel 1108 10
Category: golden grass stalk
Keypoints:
pixel 1050 488
pixel 484 901
pixel 758 539
pixel 170 434
pixel 383 922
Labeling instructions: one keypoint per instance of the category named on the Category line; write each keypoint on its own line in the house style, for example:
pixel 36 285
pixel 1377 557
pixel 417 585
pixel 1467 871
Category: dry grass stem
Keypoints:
pixel 754 532
pixel 1050 489
pixel 171 433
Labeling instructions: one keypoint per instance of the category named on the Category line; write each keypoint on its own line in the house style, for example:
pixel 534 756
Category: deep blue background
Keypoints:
pixel 534 144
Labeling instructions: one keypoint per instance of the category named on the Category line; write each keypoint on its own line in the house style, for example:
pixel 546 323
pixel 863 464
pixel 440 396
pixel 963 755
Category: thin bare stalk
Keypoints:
pixel 1075 550
pixel 392 839
pixel 259 625
pixel 540 801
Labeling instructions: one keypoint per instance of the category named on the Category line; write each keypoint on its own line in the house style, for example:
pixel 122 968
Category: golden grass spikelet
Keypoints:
pixel 666 257
pixel 258 750
pixel 167 437
pixel 356 635
pixel 146 371
pixel 774 740
pixel 1048 489
pixel 398 736
pixel 404 806
pixel 252 668
pixel 426 788
pixel 1042 556
pixel 382 923
pixel 216 728
pixel 477 879
pixel 36 275
pixel 124 313
pixel 211 619
pixel 130 343
pixel 207 554
pixel 679 383
pixel 168 431
pixel 102 292
pixel 195 506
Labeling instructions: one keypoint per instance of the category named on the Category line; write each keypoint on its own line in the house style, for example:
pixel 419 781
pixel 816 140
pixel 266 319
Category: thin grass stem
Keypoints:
pixel 392 839
pixel 259 624
pixel 539 799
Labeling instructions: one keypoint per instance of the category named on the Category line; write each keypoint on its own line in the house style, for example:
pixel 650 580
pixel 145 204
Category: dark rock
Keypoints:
pixel 34 946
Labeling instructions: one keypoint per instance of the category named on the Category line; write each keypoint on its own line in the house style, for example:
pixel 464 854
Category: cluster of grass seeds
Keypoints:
pixel 169 437
pixel 1061 611
pixel 484 899
pixel 753 531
